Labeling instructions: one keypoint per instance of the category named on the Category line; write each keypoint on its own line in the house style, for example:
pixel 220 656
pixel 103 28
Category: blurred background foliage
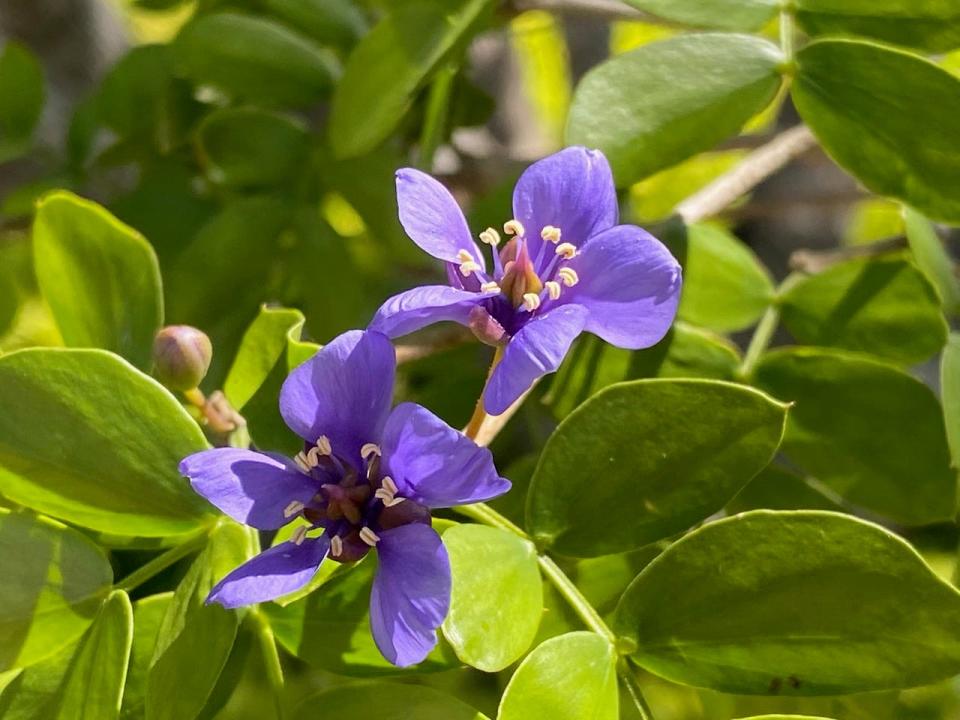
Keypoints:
pixel 252 143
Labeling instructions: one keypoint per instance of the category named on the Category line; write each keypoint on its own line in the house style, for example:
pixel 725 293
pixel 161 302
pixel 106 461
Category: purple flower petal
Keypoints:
pixel 434 464
pixel 344 391
pixel 432 218
pixel 536 350
pixel 411 593
pixel 572 190
pixel 630 283
pixel 275 572
pixel 422 306
pixel 251 487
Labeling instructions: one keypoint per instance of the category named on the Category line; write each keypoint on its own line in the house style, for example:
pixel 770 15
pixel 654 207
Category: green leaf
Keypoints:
pixel 148 615
pixel 725 286
pixel 86 437
pixel 195 639
pixel 329 22
pixel 570 677
pixel 391 64
pixel 778 489
pixel 330 628
pixel 929 24
pixel 99 276
pixel 793 603
pixel 685 352
pixel 932 257
pixel 248 147
pixel 784 717
pixel 54 581
pixel 950 392
pixel 254 59
pixel 497 596
pixel 22 92
pixel 884 306
pixel 868 430
pixel 32 693
pixel 723 14
pixel 387 701
pixel 269 351
pixel 93 686
pixel 643 460
pixel 864 102
pixel 673 99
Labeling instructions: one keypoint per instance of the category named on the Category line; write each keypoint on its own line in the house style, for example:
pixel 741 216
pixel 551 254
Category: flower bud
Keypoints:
pixel 181 357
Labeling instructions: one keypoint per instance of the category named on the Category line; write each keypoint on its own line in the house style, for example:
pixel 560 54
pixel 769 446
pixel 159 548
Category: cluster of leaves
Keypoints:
pixel 263 139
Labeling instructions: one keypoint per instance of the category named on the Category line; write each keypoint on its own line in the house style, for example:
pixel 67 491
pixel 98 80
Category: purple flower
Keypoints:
pixel 367 476
pixel 567 266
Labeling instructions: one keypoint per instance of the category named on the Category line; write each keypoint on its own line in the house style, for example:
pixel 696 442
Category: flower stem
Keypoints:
pixel 633 687
pixel 571 593
pixel 271 660
pixel 786 32
pixel 435 119
pixel 479 414
pixel 485 514
pixel 162 562
pixel 760 341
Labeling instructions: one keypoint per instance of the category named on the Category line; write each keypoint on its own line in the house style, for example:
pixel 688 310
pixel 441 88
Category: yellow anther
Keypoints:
pixel 299 535
pixel 323 445
pixel 293 508
pixel 336 546
pixel 369 450
pixel 568 276
pixel 567 250
pixel 469 267
pixel 514 227
pixel 464 256
pixel 490 287
pixel 313 457
pixel 369 536
pixel 531 301
pixel 550 233
pixel 393 501
pixel 490 237
pixel 553 289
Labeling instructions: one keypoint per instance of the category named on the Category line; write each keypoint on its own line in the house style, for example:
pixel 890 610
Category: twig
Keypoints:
pixel 756 167
pixel 814 261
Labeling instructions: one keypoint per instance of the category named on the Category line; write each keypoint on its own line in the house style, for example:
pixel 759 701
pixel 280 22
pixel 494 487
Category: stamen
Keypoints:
pixel 369 536
pixel 323 445
pixel 567 250
pixel 490 237
pixel 299 535
pixel 550 234
pixel 553 289
pixel 490 287
pixel 336 546
pixel 514 227
pixel 382 494
pixel 464 256
pixel 301 460
pixel 469 267
pixel 568 276
pixel 369 450
pixel 293 508
pixel 389 484
pixel 531 301
pixel 393 501
pixel 313 457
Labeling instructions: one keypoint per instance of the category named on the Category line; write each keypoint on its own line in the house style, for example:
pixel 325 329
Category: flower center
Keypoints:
pixel 520 286
pixel 356 501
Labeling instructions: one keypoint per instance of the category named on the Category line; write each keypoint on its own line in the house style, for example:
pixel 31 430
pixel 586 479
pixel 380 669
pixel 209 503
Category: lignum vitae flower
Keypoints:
pixel 562 266
pixel 367 477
